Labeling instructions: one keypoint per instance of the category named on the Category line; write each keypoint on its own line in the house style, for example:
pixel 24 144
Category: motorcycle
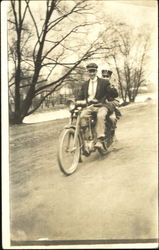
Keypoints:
pixel 76 141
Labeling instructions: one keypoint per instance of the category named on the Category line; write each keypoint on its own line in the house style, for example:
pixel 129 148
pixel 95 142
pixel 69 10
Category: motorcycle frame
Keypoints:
pixel 76 127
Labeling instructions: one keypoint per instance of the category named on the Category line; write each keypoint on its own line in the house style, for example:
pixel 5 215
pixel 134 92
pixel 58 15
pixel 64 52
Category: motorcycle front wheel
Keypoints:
pixel 68 152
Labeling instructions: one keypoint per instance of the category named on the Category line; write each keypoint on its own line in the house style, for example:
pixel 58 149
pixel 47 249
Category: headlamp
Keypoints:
pixel 70 104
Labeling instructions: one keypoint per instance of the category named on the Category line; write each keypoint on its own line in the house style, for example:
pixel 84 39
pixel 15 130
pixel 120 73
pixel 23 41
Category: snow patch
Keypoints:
pixel 64 113
pixel 47 116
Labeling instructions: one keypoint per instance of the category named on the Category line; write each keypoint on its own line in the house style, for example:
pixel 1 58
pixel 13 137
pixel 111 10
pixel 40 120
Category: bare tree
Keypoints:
pixel 138 73
pixel 129 58
pixel 41 49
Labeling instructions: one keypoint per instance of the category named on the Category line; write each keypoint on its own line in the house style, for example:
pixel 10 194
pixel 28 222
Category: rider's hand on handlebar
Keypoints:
pixel 81 102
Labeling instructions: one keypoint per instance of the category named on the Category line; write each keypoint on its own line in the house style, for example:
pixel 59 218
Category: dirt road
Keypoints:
pixel 106 198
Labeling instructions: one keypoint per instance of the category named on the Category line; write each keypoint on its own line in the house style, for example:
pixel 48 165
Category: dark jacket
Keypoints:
pixel 104 91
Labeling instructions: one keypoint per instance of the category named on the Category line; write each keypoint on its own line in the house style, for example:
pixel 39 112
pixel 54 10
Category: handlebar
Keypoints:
pixel 83 103
pixel 72 104
pixel 89 104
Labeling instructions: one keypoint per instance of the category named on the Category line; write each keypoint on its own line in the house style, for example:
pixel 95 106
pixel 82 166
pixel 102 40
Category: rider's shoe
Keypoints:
pixel 101 148
pixel 99 143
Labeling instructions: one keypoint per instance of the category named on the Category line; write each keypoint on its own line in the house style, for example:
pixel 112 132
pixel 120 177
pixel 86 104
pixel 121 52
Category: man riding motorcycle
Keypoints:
pixel 97 91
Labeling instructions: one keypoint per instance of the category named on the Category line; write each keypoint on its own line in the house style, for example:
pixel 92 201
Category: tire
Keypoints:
pixel 110 138
pixel 68 158
pixel 107 143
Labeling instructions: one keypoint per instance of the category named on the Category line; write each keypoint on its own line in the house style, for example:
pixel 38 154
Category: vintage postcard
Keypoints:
pixel 79 124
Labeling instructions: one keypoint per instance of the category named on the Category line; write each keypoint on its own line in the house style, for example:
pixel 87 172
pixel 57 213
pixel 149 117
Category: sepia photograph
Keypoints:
pixel 79 89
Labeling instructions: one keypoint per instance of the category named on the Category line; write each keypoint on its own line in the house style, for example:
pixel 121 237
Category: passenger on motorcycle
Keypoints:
pixel 106 74
pixel 97 91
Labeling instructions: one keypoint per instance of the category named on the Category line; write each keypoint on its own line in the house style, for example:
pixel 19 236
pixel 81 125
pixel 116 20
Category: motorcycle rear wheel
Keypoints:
pixel 68 154
pixel 107 143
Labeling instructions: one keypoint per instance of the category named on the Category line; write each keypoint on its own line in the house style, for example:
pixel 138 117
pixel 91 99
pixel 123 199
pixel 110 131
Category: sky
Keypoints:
pixel 135 13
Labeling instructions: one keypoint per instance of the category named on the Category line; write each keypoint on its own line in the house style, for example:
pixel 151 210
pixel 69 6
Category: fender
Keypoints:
pixel 70 126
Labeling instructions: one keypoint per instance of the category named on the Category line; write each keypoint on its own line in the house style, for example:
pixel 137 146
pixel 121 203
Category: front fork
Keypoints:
pixel 76 134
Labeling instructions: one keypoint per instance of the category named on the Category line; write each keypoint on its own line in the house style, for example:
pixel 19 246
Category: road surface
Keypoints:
pixel 114 197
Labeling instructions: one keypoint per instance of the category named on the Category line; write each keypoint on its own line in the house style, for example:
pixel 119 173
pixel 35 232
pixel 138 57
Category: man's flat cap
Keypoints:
pixel 92 66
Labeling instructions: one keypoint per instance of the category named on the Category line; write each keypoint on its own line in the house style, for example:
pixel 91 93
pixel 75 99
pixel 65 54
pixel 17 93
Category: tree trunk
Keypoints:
pixel 30 95
pixel 15 118
pixel 17 114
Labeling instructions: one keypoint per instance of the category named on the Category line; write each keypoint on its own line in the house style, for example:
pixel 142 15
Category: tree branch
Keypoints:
pixel 59 19
pixel 60 41
pixel 85 56
pixel 25 11
pixel 36 28
pixel 15 15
